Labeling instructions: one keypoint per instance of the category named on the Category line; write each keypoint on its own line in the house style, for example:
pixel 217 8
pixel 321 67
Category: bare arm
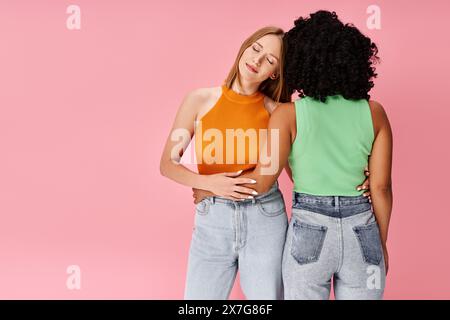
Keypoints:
pixel 223 184
pixel 288 171
pixel 178 140
pixel 274 158
pixel 380 164
pixel 272 106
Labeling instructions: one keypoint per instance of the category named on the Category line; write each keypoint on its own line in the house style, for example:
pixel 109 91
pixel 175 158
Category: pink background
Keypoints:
pixel 84 115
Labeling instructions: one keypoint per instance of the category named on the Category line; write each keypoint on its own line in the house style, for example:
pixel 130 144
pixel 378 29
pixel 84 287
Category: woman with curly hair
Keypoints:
pixel 334 233
pixel 328 136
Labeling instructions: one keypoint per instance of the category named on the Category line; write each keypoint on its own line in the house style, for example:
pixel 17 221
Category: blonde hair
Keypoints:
pixel 275 89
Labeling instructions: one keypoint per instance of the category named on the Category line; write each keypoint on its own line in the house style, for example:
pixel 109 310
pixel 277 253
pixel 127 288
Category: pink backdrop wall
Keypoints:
pixel 84 115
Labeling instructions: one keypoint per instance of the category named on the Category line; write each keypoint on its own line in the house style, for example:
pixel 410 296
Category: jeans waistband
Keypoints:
pixel 261 197
pixel 332 206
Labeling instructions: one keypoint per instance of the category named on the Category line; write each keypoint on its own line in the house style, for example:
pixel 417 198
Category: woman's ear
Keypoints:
pixel 273 76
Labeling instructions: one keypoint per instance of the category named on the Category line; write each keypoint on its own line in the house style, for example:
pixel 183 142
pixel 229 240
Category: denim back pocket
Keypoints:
pixel 272 207
pixel 369 240
pixel 307 241
pixel 202 208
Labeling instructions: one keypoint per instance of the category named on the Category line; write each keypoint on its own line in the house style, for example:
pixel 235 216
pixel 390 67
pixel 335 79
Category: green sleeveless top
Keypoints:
pixel 333 142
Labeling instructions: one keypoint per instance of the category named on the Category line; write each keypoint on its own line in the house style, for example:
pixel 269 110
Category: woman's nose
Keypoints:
pixel 257 60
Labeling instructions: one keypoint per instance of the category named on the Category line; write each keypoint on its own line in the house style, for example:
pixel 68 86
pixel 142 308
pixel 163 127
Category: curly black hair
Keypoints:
pixel 325 57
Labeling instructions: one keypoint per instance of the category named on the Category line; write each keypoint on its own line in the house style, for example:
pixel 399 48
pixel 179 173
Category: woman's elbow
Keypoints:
pixel 381 188
pixel 163 167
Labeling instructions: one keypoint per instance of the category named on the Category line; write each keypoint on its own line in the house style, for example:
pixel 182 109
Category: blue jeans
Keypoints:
pixel 229 235
pixel 333 237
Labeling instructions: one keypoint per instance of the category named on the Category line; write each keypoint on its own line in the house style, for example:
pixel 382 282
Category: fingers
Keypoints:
pixel 240 196
pixel 196 198
pixel 232 174
pixel 367 194
pixel 244 181
pixel 365 185
pixel 245 190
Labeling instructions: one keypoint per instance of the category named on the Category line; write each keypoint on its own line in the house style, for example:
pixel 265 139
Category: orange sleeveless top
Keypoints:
pixel 227 137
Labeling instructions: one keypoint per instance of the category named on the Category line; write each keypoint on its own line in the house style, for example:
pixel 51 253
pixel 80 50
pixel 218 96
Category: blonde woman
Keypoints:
pixel 235 228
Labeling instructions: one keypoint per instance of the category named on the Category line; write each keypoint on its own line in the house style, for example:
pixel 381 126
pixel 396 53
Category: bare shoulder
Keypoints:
pixel 379 116
pixel 377 109
pixel 270 104
pixel 203 99
pixel 285 112
pixel 201 95
pixel 198 98
pixel 285 108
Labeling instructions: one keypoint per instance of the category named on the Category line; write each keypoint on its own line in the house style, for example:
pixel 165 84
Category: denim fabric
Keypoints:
pixel 333 238
pixel 228 236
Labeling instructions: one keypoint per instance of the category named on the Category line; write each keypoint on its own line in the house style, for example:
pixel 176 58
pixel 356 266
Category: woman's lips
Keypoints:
pixel 249 67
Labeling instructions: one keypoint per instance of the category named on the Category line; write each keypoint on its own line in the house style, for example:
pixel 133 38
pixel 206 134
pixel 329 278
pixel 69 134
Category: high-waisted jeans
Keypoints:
pixel 229 235
pixel 333 237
